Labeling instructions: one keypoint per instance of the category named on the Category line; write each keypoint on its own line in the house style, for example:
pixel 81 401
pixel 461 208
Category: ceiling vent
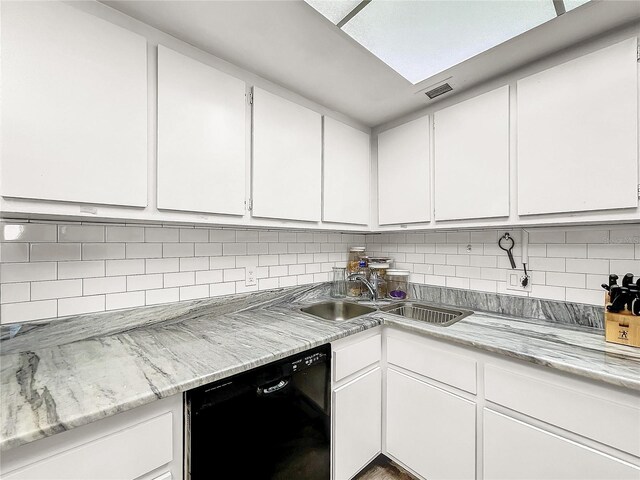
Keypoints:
pixel 440 90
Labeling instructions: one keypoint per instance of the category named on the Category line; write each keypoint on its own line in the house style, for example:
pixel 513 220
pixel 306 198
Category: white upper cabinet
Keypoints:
pixel 74 107
pixel 578 134
pixel 287 164
pixel 201 137
pixel 346 174
pixel 472 158
pixel 403 174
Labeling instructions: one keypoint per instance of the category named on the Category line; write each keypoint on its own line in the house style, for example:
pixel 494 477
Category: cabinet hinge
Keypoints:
pixel 249 204
pixel 250 98
pixel 638 190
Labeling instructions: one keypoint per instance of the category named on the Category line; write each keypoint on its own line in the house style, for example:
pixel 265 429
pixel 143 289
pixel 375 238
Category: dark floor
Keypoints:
pixel 384 469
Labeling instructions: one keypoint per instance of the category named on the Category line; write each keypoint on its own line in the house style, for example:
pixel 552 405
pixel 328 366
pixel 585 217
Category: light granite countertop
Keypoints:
pixel 66 373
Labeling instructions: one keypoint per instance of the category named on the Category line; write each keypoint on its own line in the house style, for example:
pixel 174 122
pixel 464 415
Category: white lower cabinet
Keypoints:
pixel 431 431
pixel 142 444
pixel 357 423
pixel 514 450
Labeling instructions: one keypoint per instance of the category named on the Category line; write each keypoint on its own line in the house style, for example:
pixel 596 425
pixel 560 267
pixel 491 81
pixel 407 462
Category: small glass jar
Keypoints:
pixel 353 262
pixel 398 284
pixel 378 276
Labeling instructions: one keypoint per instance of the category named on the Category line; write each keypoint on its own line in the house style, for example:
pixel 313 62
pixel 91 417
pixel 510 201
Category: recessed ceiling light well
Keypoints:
pixel 421 38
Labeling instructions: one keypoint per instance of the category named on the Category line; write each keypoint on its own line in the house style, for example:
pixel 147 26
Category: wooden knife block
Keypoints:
pixel 622 327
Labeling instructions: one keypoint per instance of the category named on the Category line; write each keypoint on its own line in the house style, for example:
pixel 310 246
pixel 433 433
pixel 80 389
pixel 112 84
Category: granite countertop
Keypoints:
pixel 66 373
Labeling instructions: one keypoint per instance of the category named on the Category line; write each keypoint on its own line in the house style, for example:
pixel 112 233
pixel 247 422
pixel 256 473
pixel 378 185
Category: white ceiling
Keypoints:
pixel 291 44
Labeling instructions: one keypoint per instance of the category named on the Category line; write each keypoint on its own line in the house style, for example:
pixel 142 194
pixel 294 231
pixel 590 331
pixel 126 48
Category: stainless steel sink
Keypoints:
pixel 337 310
pixel 427 313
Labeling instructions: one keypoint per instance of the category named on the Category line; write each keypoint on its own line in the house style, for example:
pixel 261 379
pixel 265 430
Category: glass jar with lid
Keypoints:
pixel 398 284
pixel 353 262
pixel 378 276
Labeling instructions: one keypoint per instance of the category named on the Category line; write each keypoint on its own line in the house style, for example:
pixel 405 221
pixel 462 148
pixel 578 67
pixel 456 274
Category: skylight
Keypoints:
pixel 419 39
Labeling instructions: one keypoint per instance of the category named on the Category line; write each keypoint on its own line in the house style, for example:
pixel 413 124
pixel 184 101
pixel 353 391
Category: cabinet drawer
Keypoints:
pixel 514 450
pixel 351 358
pixel 444 366
pixel 125 454
pixel 602 414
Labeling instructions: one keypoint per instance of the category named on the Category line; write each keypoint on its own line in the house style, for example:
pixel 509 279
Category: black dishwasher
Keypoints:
pixel 272 422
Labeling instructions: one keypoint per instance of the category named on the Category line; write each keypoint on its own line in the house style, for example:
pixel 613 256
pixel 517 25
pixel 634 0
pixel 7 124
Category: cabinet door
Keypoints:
pixel 286 159
pixel 201 137
pixel 403 174
pixel 346 174
pixel 514 450
pixel 472 158
pixel 74 107
pixel 431 431
pixel 357 424
pixel 578 134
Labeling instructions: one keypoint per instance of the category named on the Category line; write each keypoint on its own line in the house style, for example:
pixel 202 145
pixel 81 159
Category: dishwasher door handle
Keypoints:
pixel 274 388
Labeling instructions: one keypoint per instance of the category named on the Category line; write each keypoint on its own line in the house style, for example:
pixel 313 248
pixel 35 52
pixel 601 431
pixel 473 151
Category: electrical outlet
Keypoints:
pixel 514 281
pixel 251 279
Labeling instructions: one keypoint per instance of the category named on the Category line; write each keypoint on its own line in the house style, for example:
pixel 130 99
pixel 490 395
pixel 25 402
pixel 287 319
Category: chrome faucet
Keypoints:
pixel 371 286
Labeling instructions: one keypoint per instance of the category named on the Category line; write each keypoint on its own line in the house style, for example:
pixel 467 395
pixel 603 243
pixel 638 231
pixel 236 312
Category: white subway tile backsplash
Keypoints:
pixel 208 276
pixel 161 234
pixel 125 267
pixel 576 280
pixel 125 234
pixel 222 236
pixel 575 265
pixel 162 265
pixel 588 236
pixel 576 250
pixel 15 292
pixel 208 249
pixel 117 266
pixel 25 312
pixel 82 269
pixel 80 233
pixel 194 263
pixel 14 252
pixel 27 272
pixel 547 236
pixel 102 251
pixel 220 289
pixel 143 250
pixel 145 282
pixel 194 235
pixel 170 250
pixel 179 279
pixel 56 289
pixel 116 301
pixel 79 305
pixel 622 267
pixel 626 235
pixel 163 295
pixel 194 292
pixel 611 251
pixel 94 286
pixel 54 252
pixel 27 232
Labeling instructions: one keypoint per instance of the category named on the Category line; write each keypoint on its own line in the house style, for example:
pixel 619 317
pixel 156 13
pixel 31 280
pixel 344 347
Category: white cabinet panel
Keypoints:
pixel 578 134
pixel 403 174
pixel 357 424
pixel 514 450
pixel 352 358
pixel 431 431
pixel 287 148
pixel 201 137
pixel 74 107
pixel 345 196
pixel 472 158
pixel 124 455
